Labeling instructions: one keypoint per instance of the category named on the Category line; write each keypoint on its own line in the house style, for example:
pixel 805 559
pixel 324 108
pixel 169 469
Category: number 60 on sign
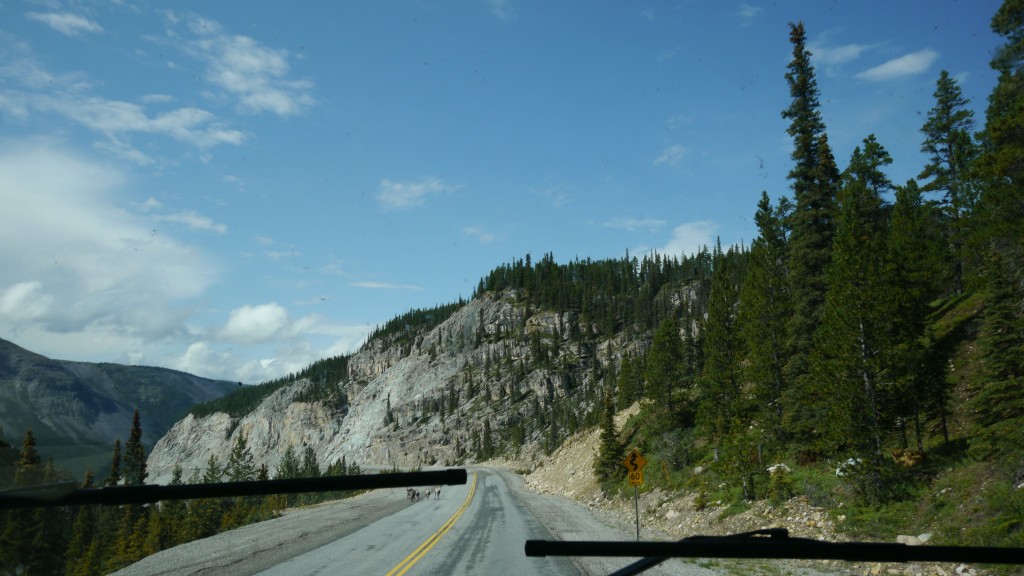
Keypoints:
pixel 636 478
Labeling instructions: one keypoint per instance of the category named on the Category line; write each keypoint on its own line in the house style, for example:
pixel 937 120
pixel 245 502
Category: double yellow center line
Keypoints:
pixel 413 558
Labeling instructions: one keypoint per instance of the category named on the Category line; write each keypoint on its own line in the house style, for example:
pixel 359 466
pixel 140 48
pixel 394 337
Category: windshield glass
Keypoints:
pixel 645 270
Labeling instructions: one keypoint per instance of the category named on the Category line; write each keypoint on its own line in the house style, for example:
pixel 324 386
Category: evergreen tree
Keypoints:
pixel 664 383
pixel 914 266
pixel 28 470
pixel 487 443
pixel 1001 240
pixel 114 477
pixel 240 466
pixel 135 455
pixel 310 466
pixel 1001 163
pixel 22 534
pixel 846 405
pixel 764 310
pixel 814 180
pixel 608 464
pixel 289 466
pixel 951 152
pixel 998 406
pixel 719 389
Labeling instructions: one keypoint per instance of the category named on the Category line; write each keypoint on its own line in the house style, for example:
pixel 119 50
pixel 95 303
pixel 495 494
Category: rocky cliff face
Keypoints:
pixel 438 397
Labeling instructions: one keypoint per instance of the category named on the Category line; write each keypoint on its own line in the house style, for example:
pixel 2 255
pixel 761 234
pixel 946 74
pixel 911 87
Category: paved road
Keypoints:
pixel 473 529
pixel 479 528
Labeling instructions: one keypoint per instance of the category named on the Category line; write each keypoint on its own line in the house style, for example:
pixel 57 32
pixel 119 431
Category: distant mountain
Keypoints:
pixel 77 409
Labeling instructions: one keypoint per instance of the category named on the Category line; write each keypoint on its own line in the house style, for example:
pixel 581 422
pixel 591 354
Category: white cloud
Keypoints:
pixel 66 23
pixel 24 301
pixel 835 55
pixel 254 74
pixel 73 263
pixel 501 8
pixel 690 238
pixel 194 221
pixel 480 233
pixel 671 156
pixel 251 324
pixel 748 13
pixel 906 65
pixel 408 194
pixel 26 89
pixel 634 224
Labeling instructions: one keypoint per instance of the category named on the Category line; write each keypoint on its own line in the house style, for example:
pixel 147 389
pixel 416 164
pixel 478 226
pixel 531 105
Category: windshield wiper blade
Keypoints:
pixel 65 493
pixel 774 544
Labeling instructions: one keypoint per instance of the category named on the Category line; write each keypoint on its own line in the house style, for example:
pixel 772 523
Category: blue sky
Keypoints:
pixel 238 189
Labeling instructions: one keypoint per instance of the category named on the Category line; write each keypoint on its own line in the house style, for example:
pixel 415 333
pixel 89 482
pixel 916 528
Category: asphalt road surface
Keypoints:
pixel 478 528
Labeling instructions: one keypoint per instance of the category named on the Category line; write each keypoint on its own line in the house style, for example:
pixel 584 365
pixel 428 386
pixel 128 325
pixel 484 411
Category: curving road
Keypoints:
pixel 478 528
pixel 472 529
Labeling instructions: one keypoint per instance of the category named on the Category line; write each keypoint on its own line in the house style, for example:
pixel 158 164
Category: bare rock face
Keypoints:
pixel 276 424
pixel 393 394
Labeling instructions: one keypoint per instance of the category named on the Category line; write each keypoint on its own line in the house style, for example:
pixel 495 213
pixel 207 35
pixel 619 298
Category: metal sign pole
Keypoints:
pixel 636 505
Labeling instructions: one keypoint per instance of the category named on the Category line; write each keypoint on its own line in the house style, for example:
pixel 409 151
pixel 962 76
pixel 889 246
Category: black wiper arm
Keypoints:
pixel 66 494
pixel 775 543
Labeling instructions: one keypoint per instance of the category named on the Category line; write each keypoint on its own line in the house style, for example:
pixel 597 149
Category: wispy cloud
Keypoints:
pixel 825 55
pixel 26 88
pixel 385 286
pixel 671 156
pixel 907 65
pixel 501 9
pixel 241 68
pixel 480 233
pixel 282 254
pixel 66 23
pixel 408 194
pixel 747 13
pixel 194 221
pixel 557 195
pixel 635 224
pixel 157 98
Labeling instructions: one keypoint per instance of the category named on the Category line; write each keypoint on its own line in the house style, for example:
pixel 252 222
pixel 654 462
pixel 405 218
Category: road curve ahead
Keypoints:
pixel 478 528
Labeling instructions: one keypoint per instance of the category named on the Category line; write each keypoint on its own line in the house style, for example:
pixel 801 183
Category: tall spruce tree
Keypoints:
pixel 1001 238
pixel 851 340
pixel 949 144
pixel 135 455
pixel 115 474
pixel 764 310
pixel 814 180
pixel 608 464
pixel 241 466
pixel 720 403
pixel 664 381
pixel 915 263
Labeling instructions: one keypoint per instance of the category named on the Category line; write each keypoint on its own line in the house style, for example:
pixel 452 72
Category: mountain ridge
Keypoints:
pixel 77 409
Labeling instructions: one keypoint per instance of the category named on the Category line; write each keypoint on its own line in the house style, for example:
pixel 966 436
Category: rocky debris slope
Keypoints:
pixel 568 472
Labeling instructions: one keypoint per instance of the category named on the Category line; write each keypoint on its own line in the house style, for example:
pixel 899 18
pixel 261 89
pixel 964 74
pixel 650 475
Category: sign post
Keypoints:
pixel 634 464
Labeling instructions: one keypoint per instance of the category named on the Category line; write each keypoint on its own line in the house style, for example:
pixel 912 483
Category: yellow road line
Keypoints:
pixel 413 558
